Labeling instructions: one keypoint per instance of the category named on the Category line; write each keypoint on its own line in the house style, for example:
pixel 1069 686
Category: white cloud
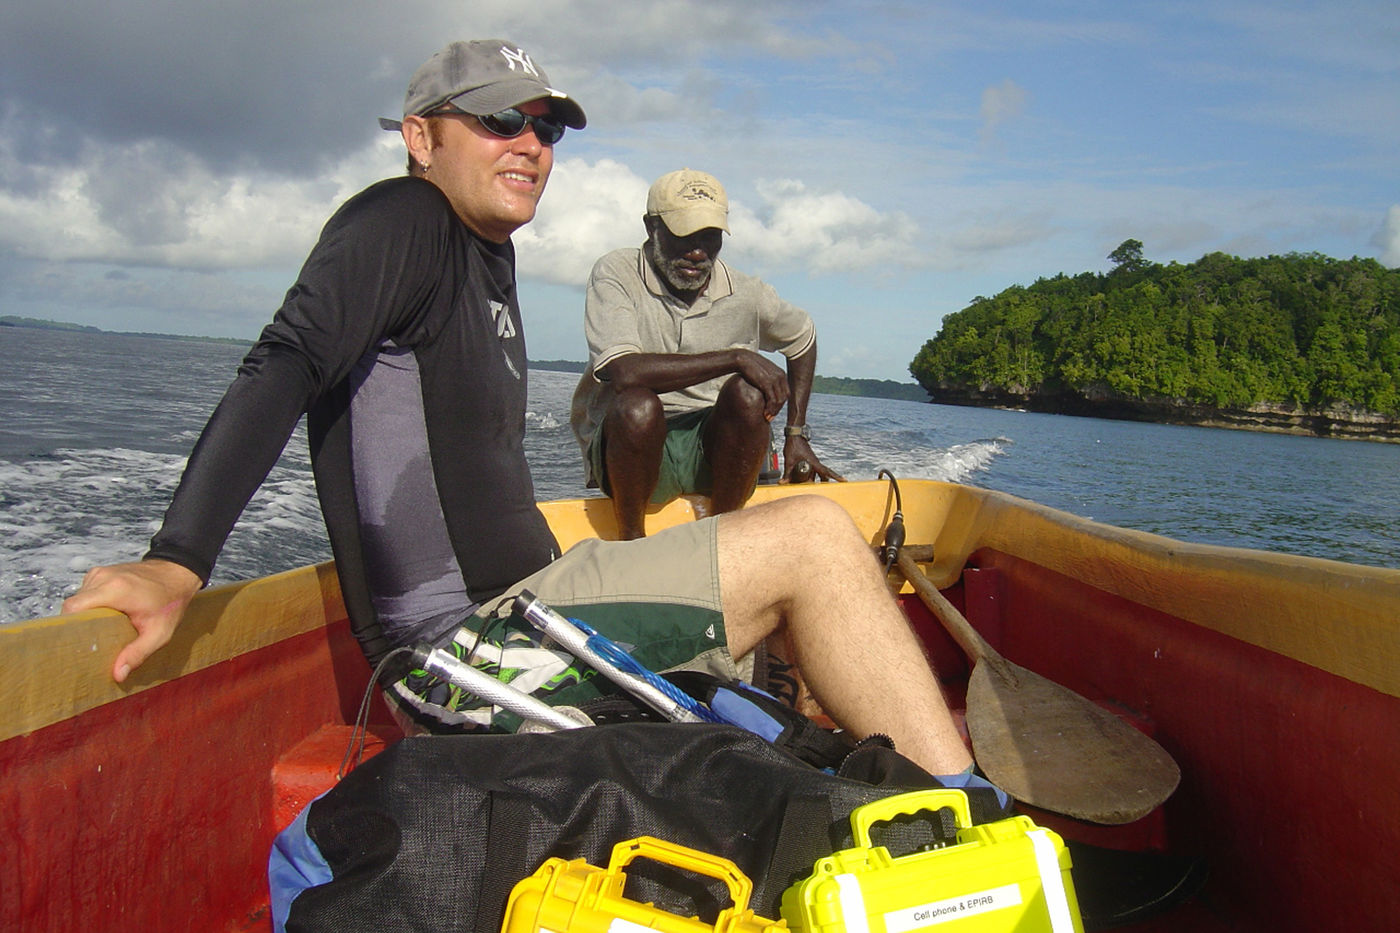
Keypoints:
pixel 1001 103
pixel 219 182
pixel 132 205
pixel 590 209
pixel 1004 230
pixel 824 232
pixel 140 204
pixel 586 211
pixel 1388 239
pixel 227 304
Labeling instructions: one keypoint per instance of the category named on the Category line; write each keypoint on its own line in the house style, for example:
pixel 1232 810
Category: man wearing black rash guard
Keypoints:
pixel 377 377
pixel 402 342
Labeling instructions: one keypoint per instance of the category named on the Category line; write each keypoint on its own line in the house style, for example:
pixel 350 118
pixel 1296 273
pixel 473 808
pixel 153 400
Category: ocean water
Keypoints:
pixel 95 429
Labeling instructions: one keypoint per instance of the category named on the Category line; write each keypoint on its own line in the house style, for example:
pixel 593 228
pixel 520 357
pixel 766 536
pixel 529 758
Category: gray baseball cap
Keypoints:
pixel 484 76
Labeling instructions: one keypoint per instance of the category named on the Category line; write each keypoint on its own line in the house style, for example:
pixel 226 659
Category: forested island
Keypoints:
pixel 869 388
pixel 1300 343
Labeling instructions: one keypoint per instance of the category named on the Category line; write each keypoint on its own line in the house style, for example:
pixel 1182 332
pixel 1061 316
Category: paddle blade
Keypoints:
pixel 1055 750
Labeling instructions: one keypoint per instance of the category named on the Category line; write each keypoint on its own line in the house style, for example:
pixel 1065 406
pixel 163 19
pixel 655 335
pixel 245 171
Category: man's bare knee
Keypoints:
pixel 811 520
pixel 635 412
pixel 742 401
pixel 796 538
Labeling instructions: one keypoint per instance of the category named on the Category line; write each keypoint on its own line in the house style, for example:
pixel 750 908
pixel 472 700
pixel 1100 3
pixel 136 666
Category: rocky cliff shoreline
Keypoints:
pixel 1343 423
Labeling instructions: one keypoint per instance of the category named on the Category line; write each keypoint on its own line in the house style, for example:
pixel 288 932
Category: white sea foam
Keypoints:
pixel 71 511
pixel 92 446
pixel 66 513
pixel 541 421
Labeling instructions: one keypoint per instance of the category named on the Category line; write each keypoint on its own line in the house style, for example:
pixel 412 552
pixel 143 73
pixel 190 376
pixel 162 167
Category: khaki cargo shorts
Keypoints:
pixel 656 597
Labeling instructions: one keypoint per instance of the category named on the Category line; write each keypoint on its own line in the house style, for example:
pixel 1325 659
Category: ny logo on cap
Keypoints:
pixel 519 55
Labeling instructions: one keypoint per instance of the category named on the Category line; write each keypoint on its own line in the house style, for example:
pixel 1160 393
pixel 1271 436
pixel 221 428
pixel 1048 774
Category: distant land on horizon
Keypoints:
pixel 824 385
pixel 10 320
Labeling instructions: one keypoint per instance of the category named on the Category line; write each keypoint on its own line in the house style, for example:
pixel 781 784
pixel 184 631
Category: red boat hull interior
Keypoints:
pixel 156 812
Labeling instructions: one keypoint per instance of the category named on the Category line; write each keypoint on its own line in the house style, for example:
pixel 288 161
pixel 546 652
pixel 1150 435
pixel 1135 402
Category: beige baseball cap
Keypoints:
pixel 687 201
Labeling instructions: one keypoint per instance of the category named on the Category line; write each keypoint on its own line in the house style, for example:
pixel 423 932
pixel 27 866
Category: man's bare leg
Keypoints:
pixel 736 438
pixel 801 564
pixel 634 433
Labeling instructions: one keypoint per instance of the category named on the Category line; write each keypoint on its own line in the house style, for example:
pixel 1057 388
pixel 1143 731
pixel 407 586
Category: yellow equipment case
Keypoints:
pixel 571 896
pixel 1002 876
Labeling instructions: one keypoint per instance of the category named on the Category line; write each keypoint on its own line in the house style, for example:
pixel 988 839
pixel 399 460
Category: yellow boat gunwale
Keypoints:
pixel 1341 618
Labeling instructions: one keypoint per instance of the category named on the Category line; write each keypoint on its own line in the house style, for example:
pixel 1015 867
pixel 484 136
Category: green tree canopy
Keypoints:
pixel 1301 329
pixel 1128 256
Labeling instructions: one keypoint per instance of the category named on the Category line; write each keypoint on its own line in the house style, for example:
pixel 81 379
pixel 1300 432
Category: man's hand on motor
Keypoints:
pixel 152 593
pixel 800 464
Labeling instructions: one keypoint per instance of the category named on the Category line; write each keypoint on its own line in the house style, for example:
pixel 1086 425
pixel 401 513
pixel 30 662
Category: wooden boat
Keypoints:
pixel 1273 681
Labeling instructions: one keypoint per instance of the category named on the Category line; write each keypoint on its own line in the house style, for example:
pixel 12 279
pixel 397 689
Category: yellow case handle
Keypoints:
pixel 670 853
pixel 863 818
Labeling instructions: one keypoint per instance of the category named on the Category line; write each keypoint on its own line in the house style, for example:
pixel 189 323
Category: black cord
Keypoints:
pixel 898 502
pixel 894 531
pixel 357 735
pixel 356 748
pixel 481 635
pixel 493 622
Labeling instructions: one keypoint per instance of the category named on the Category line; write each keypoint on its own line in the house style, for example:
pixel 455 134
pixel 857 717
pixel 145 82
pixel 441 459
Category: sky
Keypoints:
pixel 166 166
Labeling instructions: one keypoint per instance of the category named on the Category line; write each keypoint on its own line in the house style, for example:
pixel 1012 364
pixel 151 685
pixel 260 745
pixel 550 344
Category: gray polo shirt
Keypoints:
pixel 629 310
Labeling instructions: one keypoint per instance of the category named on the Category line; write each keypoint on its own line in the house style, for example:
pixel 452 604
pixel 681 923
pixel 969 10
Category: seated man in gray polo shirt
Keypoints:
pixel 677 397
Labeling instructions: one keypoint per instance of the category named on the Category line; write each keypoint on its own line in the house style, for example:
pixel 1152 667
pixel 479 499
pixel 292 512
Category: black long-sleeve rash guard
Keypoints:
pixel 394 268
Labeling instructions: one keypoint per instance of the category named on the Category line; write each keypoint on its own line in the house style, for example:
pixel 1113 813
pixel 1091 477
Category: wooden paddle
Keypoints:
pixel 1047 745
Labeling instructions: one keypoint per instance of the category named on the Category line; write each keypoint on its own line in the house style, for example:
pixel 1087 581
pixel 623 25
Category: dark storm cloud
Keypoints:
pixel 261 85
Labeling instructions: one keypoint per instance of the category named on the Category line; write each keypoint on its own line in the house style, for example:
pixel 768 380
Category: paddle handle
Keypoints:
pixel 973 644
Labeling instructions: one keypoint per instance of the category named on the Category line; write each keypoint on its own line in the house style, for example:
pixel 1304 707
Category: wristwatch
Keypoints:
pixel 798 430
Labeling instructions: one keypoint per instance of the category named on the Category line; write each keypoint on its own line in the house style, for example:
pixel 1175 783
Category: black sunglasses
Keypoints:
pixel 510 123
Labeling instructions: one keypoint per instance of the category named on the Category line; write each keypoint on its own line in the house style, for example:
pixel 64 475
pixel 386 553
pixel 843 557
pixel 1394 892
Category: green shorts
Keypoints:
pixel 684 468
pixel 657 597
